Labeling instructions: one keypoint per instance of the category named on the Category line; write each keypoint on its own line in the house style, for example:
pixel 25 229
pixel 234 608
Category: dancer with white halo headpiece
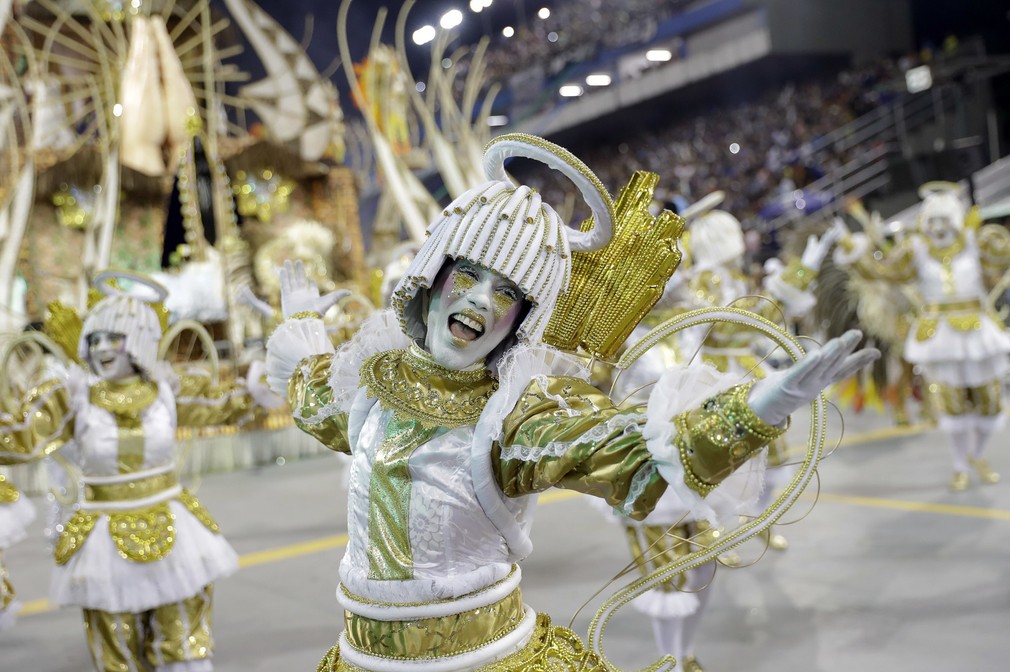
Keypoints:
pixel 456 414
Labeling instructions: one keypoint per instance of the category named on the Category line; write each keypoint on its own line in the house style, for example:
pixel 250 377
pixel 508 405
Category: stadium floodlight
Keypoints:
pixel 487 3
pixel 497 120
pixel 476 6
pixel 451 19
pixel 424 34
pixel 508 31
pixel 734 148
pixel 544 13
pixel 658 55
pixel 570 90
pixel 598 79
pixel 420 87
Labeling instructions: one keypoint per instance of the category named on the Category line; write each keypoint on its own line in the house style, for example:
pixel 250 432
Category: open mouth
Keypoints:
pixel 106 361
pixel 466 325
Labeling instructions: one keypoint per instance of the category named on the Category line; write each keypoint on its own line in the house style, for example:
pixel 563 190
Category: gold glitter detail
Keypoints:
pixel 194 506
pixel 612 289
pixel 8 493
pixel 461 282
pixel 306 315
pixel 503 303
pixel 144 535
pixel 798 275
pixel 417 388
pixel 984 400
pixel 75 533
pixel 552 648
pixel 124 400
pixel 427 638
pixel 715 439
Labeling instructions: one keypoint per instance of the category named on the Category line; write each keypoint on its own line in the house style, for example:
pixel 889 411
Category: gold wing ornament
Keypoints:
pixel 613 289
pixel 731 539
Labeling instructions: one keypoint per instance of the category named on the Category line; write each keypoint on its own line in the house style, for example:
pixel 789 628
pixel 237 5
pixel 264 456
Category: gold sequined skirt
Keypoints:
pixel 551 649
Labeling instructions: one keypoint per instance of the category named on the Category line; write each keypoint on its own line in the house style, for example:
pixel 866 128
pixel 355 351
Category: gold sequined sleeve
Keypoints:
pixel 994 252
pixel 571 436
pixel 201 403
pixel 716 438
pixel 41 426
pixel 311 401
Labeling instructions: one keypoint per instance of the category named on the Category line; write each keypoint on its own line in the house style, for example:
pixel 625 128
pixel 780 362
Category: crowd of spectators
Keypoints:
pixel 774 135
pixel 577 35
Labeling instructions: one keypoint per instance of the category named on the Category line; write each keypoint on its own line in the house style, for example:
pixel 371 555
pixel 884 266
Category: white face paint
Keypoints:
pixel 941 219
pixel 940 229
pixel 472 310
pixel 108 357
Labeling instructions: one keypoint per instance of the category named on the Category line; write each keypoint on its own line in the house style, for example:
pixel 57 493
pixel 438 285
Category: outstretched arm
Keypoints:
pixel 569 435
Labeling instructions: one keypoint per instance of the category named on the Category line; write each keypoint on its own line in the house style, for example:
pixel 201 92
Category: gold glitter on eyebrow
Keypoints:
pixel 502 304
pixel 461 282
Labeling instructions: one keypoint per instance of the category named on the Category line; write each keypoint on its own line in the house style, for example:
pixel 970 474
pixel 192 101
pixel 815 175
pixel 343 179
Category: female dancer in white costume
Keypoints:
pixel 452 431
pixel 140 554
pixel 956 339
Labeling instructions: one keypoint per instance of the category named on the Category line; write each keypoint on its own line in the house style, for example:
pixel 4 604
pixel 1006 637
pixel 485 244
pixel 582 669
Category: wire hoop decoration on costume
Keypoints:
pixel 792 491
pixel 560 159
pixel 106 282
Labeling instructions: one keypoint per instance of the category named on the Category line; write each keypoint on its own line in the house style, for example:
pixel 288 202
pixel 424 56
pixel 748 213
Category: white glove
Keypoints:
pixel 246 297
pixel 776 397
pixel 300 294
pixel 817 249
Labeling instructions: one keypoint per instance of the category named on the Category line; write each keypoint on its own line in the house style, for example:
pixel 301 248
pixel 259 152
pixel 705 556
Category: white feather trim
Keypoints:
pixel 14 520
pixel 680 390
pixel 291 342
pixel 379 333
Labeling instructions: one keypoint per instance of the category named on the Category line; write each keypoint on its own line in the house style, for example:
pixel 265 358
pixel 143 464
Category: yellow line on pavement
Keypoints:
pixel 292 551
pixel 884 434
pixel 278 554
pixel 919 507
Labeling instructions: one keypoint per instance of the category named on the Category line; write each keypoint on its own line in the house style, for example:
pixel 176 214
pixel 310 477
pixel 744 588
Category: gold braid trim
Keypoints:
pixel 715 439
pixel 418 389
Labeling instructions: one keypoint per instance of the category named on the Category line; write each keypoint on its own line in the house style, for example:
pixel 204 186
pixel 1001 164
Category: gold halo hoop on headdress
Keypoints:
pixel 560 159
pixel 107 282
pixel 705 205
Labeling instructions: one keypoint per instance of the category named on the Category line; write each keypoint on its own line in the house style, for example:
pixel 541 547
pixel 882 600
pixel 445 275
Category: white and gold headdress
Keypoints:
pixel 716 235
pixel 128 313
pixel 942 199
pixel 511 231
